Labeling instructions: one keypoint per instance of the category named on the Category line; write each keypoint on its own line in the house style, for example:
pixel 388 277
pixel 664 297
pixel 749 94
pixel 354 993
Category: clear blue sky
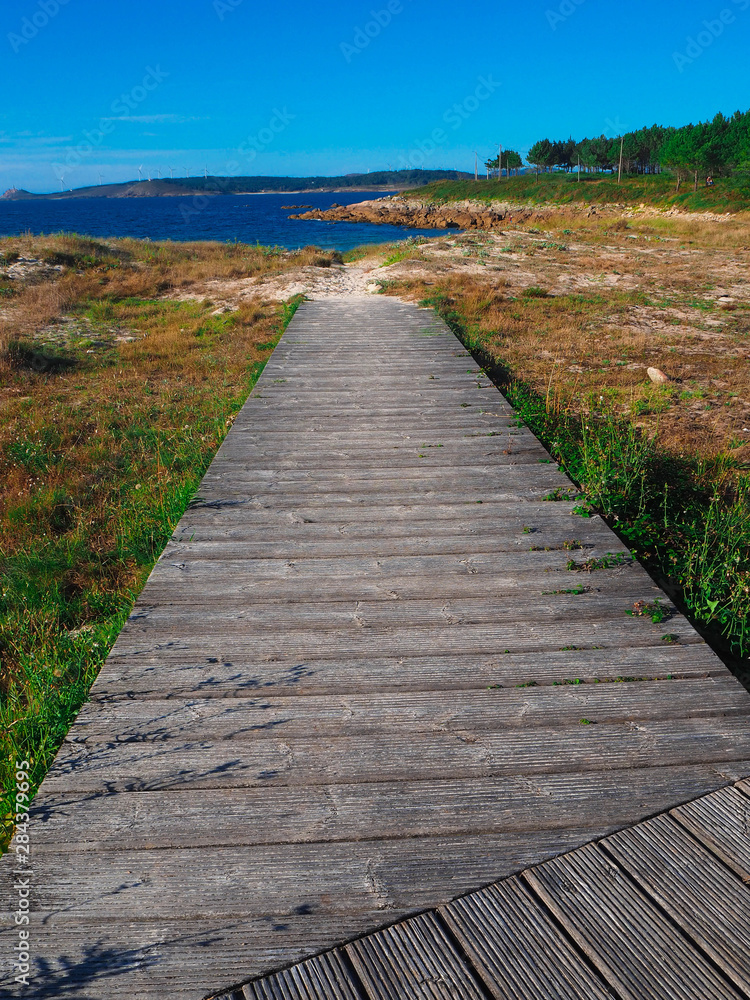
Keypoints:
pixel 247 87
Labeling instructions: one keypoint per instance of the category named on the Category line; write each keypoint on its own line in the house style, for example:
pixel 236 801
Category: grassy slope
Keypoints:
pixel 728 194
pixel 102 444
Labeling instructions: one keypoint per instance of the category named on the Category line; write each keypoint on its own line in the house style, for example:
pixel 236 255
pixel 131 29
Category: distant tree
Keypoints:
pixel 512 160
pixel 540 154
pixel 715 147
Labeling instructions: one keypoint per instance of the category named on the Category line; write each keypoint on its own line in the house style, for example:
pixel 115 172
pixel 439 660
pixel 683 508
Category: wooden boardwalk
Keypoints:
pixel 350 690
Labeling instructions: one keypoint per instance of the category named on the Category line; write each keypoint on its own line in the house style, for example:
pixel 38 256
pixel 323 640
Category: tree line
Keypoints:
pixel 715 147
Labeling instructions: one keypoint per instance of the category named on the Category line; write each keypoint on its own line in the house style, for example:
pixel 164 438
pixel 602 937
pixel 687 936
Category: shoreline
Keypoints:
pixel 193 193
pixel 417 213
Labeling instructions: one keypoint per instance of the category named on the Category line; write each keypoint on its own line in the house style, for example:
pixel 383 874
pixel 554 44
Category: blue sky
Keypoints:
pixel 243 87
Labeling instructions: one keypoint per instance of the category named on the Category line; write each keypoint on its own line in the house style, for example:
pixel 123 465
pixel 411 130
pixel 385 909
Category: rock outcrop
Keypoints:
pixel 400 211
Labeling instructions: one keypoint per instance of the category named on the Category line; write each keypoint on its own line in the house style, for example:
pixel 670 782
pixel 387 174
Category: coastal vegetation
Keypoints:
pixel 714 148
pixel 656 191
pixel 114 399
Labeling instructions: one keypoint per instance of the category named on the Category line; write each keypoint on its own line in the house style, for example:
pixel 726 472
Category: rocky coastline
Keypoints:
pixel 403 211
pixel 410 211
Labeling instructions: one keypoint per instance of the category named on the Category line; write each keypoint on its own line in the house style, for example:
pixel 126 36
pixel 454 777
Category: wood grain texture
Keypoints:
pixel 412 961
pixel 360 682
pixel 322 978
pixel 709 903
pixel 517 949
pixel 722 822
pixel 629 940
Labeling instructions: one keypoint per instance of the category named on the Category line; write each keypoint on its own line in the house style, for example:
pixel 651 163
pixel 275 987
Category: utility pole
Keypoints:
pixel 499 163
pixel 619 174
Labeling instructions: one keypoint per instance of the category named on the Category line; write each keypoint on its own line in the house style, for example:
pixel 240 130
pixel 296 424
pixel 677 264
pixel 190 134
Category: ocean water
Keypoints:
pixel 254 218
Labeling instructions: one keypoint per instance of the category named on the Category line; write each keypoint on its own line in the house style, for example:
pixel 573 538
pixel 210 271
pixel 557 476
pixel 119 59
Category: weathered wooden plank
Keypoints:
pixel 416 712
pixel 411 961
pixel 384 879
pixel 537 610
pixel 634 947
pixel 178 671
pixel 508 807
pixel 186 958
pixel 722 822
pixel 469 560
pixel 709 903
pixel 516 949
pixel 231 546
pixel 322 978
pixel 558 632
pixel 246 761
pixel 301 482
pixel 220 584
pixel 510 518
pixel 414 458
pixel 401 492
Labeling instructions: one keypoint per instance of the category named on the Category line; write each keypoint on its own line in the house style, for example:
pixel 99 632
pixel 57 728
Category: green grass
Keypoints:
pixel 687 519
pixel 728 194
pixel 105 461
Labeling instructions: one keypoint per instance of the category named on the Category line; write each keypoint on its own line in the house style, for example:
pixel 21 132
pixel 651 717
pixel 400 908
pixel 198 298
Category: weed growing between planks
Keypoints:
pixel 98 462
pixel 686 518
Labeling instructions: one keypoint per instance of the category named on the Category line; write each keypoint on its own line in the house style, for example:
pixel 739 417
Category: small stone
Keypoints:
pixel 657 375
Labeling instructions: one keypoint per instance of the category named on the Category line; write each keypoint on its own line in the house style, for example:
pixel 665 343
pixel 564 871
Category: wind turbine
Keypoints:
pixel 171 172
pixel 62 182
pixel 187 171
pixel 158 173
pixel 140 172
pixel 205 171
pixel 100 180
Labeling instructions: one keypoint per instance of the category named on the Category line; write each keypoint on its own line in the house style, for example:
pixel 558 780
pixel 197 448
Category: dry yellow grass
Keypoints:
pixel 584 307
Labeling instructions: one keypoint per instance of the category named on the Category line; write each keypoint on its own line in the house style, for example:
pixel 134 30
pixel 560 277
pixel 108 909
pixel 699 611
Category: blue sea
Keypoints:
pixel 253 218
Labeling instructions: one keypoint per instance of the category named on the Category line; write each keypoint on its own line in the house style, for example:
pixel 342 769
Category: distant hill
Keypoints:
pixel 185 186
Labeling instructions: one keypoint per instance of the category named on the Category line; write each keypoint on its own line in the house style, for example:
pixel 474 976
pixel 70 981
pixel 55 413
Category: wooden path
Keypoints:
pixel 350 690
